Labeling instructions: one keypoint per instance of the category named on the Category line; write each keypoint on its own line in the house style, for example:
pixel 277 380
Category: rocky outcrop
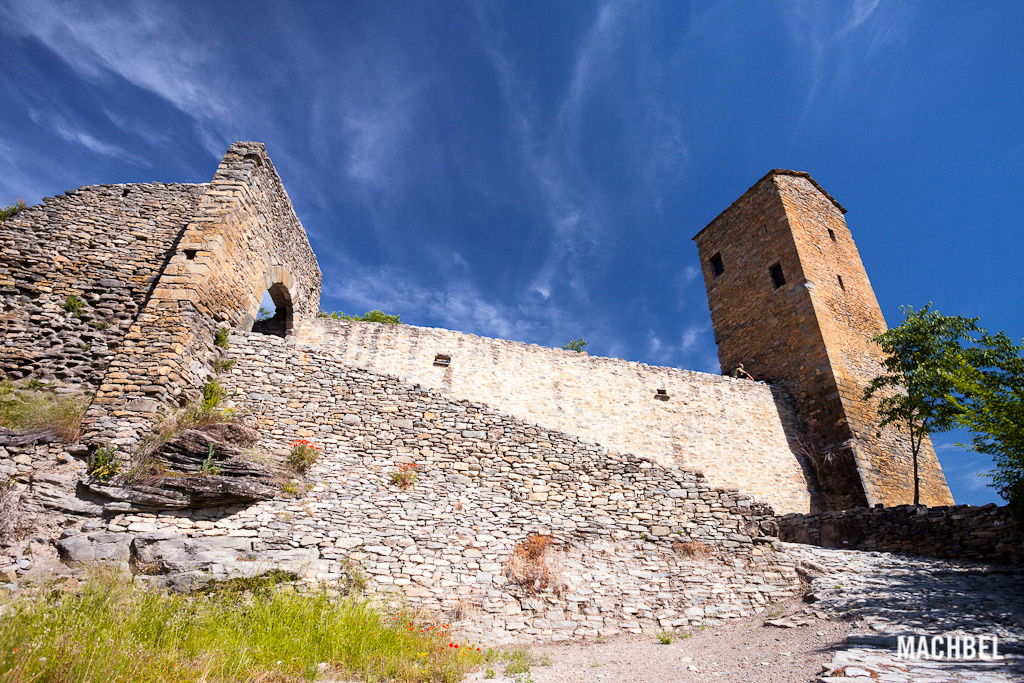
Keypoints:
pixel 198 468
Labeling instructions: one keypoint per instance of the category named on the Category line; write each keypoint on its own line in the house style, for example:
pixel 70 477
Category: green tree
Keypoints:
pixel 576 345
pixel 923 357
pixel 989 398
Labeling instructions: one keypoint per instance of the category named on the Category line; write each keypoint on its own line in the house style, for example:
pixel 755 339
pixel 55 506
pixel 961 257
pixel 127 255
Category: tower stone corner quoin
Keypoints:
pixel 790 299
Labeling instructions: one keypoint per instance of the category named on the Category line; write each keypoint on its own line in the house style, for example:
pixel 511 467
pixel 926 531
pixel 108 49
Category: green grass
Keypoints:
pixel 375 316
pixel 26 405
pixel 222 338
pixel 73 305
pixel 12 210
pixel 108 629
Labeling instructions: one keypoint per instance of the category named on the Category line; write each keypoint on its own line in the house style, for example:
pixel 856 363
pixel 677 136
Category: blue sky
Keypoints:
pixel 535 170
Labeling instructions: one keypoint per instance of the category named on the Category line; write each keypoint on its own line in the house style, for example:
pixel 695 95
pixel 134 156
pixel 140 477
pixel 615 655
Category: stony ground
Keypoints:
pixel 859 603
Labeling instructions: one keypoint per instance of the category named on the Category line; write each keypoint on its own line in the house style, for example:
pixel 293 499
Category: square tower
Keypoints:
pixel 790 299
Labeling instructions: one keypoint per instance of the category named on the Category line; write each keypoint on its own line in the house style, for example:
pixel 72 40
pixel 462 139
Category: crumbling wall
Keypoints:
pixel 734 431
pixel 243 239
pixel 103 246
pixel 485 481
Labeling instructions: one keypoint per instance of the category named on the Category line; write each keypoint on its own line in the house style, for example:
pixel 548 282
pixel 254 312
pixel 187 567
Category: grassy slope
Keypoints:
pixel 110 630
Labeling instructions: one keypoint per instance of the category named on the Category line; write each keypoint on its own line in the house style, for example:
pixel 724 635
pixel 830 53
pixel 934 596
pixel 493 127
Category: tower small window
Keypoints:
pixel 442 360
pixel 661 395
pixel 832 234
pixel 717 267
pixel 842 286
pixel 190 254
pixel 778 279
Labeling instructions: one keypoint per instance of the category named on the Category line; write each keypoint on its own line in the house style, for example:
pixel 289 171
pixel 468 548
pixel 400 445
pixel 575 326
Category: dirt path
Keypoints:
pixel 741 651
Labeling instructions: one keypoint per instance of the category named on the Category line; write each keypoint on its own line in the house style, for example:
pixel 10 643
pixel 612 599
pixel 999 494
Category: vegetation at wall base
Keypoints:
pixel 27 405
pixel 108 629
pixel 375 316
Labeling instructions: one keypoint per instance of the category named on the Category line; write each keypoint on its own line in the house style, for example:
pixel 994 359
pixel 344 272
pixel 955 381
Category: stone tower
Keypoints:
pixel 790 300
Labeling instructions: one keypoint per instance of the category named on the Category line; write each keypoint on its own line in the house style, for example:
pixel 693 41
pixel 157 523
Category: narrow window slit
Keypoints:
pixel 832 234
pixel 842 286
pixel 778 279
pixel 717 267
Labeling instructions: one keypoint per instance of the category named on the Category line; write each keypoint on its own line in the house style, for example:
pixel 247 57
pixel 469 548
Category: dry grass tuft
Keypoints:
pixel 15 524
pixel 693 549
pixel 28 406
pixel 535 565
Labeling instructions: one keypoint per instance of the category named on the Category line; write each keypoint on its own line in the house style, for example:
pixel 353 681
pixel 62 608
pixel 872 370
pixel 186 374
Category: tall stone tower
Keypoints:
pixel 790 300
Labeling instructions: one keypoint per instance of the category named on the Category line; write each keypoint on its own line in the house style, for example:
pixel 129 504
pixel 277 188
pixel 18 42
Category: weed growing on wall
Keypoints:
pixel 222 338
pixel 209 466
pixel 534 564
pixel 303 454
pixel 73 305
pixel 104 463
pixel 406 476
pixel 208 410
pixel 576 345
pixel 109 629
pixel 13 210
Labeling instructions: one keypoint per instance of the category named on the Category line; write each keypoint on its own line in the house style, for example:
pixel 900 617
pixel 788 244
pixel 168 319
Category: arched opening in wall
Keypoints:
pixel 275 314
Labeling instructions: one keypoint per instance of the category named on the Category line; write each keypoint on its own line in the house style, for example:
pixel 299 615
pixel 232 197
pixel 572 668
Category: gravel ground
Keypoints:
pixel 744 651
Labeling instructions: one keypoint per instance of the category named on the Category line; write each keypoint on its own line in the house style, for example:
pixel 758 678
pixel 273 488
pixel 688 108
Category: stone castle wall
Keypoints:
pixel 734 431
pixel 105 245
pixel 243 239
pixel 486 480
pixel 988 533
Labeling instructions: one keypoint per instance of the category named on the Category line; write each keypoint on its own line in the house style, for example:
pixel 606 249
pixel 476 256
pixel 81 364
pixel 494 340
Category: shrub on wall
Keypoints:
pixel 534 564
pixel 14 209
pixel 303 454
pixel 375 316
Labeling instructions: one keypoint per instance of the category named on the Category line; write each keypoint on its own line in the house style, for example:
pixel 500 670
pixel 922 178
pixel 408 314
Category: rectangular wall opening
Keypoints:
pixel 717 267
pixel 778 279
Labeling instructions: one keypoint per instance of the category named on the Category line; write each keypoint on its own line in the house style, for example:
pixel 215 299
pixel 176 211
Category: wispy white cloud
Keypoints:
pixel 138 43
pixel 71 132
pixel 827 40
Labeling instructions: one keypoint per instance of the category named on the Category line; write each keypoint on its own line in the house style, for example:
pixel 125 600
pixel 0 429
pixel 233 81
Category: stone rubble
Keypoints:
pixel 889 595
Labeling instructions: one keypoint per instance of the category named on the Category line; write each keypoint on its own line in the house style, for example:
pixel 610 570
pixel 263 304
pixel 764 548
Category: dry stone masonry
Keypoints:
pixel 654 487
pixel 734 431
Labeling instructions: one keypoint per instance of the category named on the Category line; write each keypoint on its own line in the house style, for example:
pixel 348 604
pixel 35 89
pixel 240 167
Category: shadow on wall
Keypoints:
pixel 278 321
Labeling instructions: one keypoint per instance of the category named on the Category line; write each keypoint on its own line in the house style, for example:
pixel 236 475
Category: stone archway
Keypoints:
pixel 279 321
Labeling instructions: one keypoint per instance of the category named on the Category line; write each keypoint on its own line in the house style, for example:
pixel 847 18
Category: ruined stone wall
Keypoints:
pixel 733 431
pixel 962 532
pixel 486 480
pixel 812 334
pixel 105 245
pixel 243 239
